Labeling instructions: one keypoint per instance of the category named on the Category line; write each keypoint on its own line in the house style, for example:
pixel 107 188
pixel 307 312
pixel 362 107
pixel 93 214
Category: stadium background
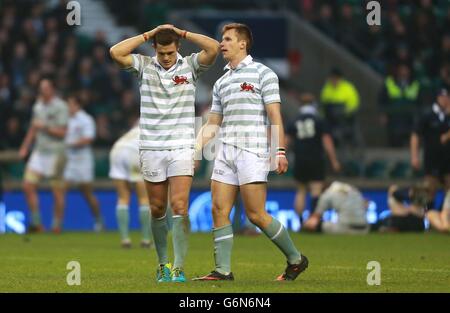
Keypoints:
pixel 302 40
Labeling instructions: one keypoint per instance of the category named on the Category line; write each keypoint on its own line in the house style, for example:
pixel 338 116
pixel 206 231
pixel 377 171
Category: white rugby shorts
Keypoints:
pixel 235 166
pixel 157 166
pixel 79 169
pixel 48 165
pixel 124 165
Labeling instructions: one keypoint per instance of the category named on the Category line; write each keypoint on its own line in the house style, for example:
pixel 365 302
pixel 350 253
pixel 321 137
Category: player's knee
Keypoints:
pixel 28 187
pixel 255 218
pixel 157 208
pixel 218 211
pixel 179 207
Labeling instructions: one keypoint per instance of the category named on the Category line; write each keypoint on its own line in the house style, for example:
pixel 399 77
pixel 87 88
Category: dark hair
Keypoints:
pixel 76 97
pixel 307 98
pixel 165 37
pixel 336 72
pixel 50 79
pixel 243 33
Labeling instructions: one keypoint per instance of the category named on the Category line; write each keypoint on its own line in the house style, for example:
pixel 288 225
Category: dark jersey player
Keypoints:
pixel 433 130
pixel 310 140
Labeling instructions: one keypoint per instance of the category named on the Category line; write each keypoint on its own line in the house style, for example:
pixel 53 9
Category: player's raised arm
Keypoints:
pixel 121 52
pixel 210 47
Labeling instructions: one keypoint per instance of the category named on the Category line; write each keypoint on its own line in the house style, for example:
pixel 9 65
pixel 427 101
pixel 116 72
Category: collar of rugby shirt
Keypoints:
pixel 160 68
pixel 437 109
pixel 246 61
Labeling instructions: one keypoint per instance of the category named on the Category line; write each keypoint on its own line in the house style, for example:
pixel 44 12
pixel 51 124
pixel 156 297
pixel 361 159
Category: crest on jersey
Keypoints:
pixel 247 87
pixel 179 80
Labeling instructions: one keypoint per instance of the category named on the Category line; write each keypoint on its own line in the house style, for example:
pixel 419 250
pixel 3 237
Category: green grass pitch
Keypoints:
pixel 409 263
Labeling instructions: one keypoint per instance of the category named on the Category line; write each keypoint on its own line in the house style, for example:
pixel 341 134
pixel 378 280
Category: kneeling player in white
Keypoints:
pixel 125 170
pixel 80 158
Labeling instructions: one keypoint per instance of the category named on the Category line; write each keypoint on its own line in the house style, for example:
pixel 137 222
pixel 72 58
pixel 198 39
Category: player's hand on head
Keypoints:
pixel 155 30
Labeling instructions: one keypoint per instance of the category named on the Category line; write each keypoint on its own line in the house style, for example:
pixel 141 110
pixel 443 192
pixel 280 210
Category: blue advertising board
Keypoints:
pixel 14 216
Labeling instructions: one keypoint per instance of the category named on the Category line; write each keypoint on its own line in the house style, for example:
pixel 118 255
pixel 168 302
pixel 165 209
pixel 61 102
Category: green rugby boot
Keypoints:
pixel 178 275
pixel 163 273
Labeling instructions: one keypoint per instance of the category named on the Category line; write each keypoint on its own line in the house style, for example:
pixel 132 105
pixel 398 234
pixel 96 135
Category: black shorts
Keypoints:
pixel 408 223
pixel 437 165
pixel 309 170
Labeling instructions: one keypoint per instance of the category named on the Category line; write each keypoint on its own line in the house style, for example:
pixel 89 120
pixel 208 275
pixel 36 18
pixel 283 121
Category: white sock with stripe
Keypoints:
pixel 223 243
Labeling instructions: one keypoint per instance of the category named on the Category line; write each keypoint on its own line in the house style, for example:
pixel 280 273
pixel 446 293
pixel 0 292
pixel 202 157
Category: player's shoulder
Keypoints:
pixel 60 103
pixel 263 69
pixel 144 60
pixel 86 116
pixel 190 58
pixel 38 105
pixel 221 80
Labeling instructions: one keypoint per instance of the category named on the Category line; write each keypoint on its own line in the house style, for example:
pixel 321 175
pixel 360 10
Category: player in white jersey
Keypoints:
pixel 47 131
pixel 245 99
pixel 125 171
pixel 167 123
pixel 350 206
pixel 80 157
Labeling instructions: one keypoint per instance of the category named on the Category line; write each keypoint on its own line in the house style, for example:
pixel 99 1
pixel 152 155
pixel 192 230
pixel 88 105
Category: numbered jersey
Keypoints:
pixel 307 131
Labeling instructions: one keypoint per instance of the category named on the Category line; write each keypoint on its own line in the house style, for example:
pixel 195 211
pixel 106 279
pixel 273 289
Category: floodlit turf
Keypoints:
pixel 409 263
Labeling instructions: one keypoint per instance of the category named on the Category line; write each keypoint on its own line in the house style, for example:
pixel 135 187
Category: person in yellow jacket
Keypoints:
pixel 340 102
pixel 399 101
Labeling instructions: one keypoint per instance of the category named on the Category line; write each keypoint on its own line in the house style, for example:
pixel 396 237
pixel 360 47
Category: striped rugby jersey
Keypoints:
pixel 240 95
pixel 167 119
pixel 54 113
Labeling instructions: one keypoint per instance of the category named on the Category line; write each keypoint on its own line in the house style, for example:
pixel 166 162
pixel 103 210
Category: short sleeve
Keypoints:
pixel 270 90
pixel 138 64
pixel 89 128
pixel 216 106
pixel 323 127
pixel 62 116
pixel 197 68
